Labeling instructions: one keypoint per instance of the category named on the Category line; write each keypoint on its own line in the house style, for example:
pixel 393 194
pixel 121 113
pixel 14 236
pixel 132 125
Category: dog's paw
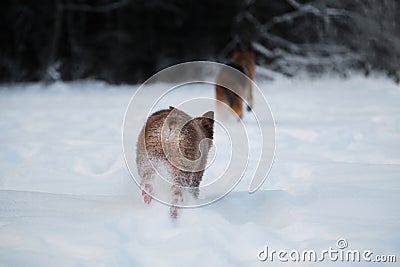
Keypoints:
pixel 146 197
pixel 173 212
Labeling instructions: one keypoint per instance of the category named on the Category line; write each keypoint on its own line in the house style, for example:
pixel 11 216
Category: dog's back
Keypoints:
pixel 243 61
pixel 180 143
pixel 171 134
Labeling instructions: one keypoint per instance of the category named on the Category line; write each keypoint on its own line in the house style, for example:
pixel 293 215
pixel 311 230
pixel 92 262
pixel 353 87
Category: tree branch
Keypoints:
pixel 302 10
pixel 263 50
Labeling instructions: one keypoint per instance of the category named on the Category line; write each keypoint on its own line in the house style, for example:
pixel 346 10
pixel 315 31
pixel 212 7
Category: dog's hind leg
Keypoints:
pixel 146 186
pixel 195 191
pixel 195 183
pixel 237 106
pixel 177 197
pixel 250 97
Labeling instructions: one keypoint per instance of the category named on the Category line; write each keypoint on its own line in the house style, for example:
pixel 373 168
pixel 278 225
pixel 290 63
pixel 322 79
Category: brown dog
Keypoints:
pixel 181 144
pixel 243 61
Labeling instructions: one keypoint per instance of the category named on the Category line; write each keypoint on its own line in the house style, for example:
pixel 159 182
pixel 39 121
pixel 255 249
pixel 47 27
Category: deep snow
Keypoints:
pixel 67 199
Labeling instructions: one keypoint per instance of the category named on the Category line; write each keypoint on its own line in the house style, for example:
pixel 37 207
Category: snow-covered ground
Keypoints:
pixel 67 199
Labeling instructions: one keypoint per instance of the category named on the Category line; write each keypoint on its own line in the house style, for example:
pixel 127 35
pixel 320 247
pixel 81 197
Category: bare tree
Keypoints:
pixel 347 35
pixel 51 67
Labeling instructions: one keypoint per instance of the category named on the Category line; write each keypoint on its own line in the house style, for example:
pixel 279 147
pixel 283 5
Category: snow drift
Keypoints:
pixel 66 197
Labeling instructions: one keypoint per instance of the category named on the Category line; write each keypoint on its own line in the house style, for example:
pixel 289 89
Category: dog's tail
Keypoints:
pixel 230 96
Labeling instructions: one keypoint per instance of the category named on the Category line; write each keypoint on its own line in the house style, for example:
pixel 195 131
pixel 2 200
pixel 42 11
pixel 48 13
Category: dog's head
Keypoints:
pixel 186 141
pixel 205 121
pixel 247 53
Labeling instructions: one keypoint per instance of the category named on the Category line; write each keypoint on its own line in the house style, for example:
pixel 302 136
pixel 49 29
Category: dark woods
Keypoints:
pixel 129 40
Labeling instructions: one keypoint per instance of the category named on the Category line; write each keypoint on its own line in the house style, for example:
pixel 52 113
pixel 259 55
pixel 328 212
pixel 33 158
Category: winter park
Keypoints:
pixel 212 133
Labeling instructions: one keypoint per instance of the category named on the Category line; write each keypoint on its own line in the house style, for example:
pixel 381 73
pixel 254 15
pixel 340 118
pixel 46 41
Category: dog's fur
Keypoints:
pixel 173 138
pixel 243 61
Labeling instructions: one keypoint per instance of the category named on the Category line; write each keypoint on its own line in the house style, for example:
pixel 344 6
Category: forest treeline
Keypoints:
pixel 129 40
